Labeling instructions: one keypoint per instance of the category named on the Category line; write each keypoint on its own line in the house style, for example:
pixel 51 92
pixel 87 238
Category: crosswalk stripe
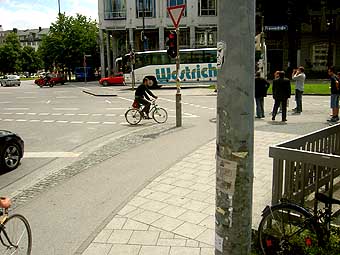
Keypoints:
pixel 56 154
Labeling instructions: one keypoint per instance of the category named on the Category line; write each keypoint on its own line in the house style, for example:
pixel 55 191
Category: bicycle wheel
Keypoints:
pixel 133 116
pixel 160 115
pixel 19 236
pixel 287 229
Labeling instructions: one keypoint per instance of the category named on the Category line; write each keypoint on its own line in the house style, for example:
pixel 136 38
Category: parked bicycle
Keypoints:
pixel 15 231
pixel 134 115
pixel 290 229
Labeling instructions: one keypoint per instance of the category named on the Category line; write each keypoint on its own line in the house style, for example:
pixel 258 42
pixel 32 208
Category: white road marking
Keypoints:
pixel 5 102
pixel 16 109
pixel 66 97
pixel 8 120
pixel 126 99
pixel 44 113
pixel 25 97
pixel 56 154
pixel 56 114
pixel 92 122
pixel 97 114
pixel 77 122
pixel 7 113
pixel 115 108
pixel 34 121
pixel 49 101
pixel 62 121
pixel 48 121
pixel 69 114
pixel 110 115
pixel 20 113
pixel 65 109
pixel 20 120
pixel 107 101
pixel 28 92
pixel 83 114
pixel 110 123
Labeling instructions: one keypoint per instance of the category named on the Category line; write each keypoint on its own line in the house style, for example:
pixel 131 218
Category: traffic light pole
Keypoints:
pixel 178 86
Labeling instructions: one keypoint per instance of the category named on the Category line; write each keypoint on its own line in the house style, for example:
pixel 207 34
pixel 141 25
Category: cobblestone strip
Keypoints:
pixel 107 151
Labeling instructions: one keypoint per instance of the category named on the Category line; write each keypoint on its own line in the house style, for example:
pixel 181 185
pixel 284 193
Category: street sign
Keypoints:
pixel 176 13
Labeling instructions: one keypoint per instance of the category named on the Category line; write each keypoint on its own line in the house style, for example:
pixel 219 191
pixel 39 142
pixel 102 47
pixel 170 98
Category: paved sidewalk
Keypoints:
pixel 174 214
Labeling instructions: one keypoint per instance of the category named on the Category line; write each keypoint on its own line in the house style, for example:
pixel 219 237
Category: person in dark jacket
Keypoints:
pixel 335 94
pixel 142 96
pixel 281 93
pixel 261 87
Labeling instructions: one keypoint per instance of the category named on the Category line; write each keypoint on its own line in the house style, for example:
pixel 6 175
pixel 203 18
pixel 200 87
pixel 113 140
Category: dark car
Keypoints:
pixel 118 79
pixel 11 150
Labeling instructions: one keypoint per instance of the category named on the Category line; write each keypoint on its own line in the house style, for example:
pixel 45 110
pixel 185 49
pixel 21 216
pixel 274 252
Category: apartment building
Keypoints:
pixel 145 24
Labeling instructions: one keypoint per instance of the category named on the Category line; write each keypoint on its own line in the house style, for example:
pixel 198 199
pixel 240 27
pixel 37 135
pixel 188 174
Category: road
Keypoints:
pixel 79 149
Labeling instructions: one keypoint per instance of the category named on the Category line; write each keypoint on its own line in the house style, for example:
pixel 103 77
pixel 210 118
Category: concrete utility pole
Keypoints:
pixel 178 86
pixel 235 127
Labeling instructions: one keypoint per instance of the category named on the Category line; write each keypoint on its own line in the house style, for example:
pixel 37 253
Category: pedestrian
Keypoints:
pixel 335 94
pixel 261 87
pixel 281 93
pixel 299 77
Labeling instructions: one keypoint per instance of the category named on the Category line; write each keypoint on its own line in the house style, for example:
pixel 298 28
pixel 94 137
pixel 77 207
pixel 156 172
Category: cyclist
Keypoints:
pixel 142 96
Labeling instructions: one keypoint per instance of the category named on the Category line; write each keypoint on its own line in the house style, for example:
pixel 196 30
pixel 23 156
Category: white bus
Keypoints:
pixel 197 65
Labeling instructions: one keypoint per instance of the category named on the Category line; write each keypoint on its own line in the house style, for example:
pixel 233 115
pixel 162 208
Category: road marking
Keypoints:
pixel 25 97
pixel 56 114
pixel 92 122
pixel 48 121
pixel 69 114
pixel 34 121
pixel 126 99
pixel 66 97
pixel 44 113
pixel 115 108
pixel 49 101
pixel 108 101
pixel 65 109
pixel 16 109
pixel 8 119
pixel 83 114
pixel 110 123
pixel 32 113
pixel 97 114
pixel 27 92
pixel 77 122
pixel 7 113
pixel 62 121
pixel 110 115
pixel 7 102
pixel 20 120
pixel 56 154
pixel 20 113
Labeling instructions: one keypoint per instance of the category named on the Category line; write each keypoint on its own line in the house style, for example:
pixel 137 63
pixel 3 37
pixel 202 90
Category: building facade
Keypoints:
pixel 27 37
pixel 144 25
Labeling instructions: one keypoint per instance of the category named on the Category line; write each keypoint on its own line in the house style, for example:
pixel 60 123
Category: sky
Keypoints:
pixel 32 14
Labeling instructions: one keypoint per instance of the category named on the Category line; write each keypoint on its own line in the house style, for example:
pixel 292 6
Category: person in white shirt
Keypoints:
pixel 299 77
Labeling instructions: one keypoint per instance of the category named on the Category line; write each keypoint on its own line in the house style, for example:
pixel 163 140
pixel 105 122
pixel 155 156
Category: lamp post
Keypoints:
pixel 59 6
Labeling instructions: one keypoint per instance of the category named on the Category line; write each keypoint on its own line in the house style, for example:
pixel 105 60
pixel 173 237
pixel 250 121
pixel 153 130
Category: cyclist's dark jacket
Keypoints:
pixel 143 91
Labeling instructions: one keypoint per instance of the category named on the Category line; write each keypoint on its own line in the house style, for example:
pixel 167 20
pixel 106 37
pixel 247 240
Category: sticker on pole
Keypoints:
pixel 176 13
pixel 221 50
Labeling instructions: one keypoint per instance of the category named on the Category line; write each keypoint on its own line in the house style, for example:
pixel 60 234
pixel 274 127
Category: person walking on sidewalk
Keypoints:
pixel 281 93
pixel 261 87
pixel 142 96
pixel 299 77
pixel 335 95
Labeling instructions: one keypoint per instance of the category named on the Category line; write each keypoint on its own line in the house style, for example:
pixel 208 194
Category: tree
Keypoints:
pixel 70 38
pixel 30 60
pixel 10 53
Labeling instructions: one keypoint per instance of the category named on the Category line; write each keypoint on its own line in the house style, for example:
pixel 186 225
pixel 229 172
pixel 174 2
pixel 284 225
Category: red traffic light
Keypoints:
pixel 172 44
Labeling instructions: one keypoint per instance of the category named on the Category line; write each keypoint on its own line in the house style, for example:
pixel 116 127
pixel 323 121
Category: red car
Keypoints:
pixel 50 80
pixel 118 79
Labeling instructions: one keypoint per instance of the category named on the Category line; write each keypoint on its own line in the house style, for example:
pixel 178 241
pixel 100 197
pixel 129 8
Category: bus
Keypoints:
pixel 79 73
pixel 197 65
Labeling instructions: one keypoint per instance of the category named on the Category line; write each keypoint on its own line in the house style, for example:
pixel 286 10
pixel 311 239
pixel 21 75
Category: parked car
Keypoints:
pixel 118 79
pixel 11 150
pixel 10 80
pixel 50 80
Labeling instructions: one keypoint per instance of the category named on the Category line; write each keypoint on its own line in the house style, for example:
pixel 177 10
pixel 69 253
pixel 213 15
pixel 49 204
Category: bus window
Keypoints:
pixel 197 56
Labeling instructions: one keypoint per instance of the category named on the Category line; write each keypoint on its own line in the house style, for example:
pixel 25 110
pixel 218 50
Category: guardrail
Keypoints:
pixel 305 165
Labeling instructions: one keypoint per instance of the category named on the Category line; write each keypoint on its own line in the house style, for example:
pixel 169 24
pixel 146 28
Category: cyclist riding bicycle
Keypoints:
pixel 142 96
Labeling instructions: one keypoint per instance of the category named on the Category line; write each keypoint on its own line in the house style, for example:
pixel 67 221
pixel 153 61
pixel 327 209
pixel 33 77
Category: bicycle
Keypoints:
pixel 134 115
pixel 290 229
pixel 15 231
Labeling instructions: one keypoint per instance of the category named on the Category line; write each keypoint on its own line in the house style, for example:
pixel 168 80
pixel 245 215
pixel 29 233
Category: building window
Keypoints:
pixel 149 8
pixel 114 9
pixel 320 54
pixel 207 8
pixel 206 38
pixel 177 2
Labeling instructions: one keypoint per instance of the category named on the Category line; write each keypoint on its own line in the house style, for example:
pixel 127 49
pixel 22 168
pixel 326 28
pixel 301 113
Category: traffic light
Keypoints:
pixel 172 44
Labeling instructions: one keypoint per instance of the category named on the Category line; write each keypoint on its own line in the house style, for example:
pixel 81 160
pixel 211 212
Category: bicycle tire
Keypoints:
pixel 160 115
pixel 19 233
pixel 133 116
pixel 287 229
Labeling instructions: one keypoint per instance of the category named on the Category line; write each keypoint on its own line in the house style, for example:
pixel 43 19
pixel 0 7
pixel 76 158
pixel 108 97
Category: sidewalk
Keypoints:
pixel 174 214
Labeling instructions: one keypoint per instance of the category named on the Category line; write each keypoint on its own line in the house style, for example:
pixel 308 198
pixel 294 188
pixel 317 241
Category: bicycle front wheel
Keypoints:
pixel 133 116
pixel 287 229
pixel 16 235
pixel 160 115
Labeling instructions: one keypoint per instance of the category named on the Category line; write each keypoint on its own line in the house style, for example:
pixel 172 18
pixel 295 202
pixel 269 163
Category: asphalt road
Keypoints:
pixel 83 162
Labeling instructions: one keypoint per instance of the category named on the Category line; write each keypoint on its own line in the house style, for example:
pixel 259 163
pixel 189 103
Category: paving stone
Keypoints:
pixel 98 249
pixel 138 201
pixel 208 222
pixel 126 210
pixel 154 206
pixel 167 223
pixel 191 243
pixel 198 195
pixel 166 235
pixel 154 250
pixel 103 236
pixel 116 223
pixel 120 249
pixel 172 211
pixel 135 225
pixel 144 237
pixel 171 242
pixel 180 191
pixel 120 236
pixel 208 237
pixel 192 216
pixel 195 205
pixel 207 251
pixel 189 230
pixel 147 217
pixel 184 251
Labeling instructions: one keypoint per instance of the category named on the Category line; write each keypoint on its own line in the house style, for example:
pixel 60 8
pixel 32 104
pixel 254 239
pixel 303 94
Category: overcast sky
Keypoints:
pixel 28 14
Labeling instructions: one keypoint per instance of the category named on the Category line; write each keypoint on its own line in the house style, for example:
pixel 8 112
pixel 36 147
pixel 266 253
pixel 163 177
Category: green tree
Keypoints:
pixel 10 53
pixel 30 60
pixel 69 39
